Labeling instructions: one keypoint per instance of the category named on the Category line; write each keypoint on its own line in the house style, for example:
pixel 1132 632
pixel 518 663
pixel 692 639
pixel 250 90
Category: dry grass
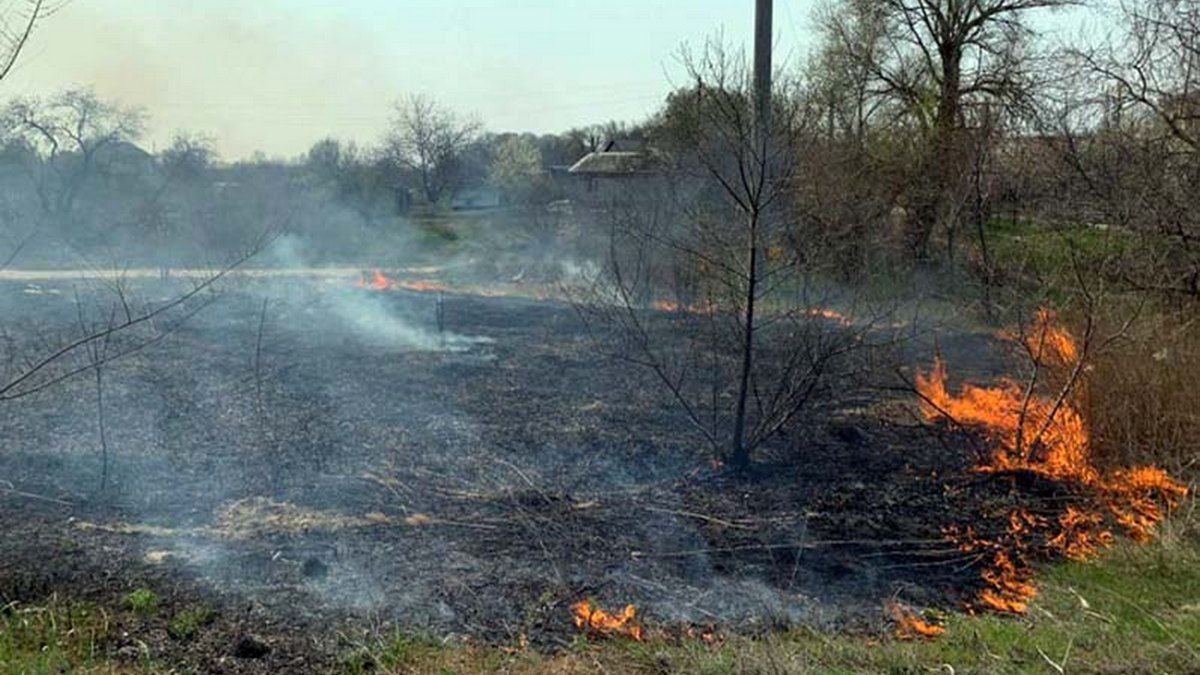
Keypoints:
pixel 1143 403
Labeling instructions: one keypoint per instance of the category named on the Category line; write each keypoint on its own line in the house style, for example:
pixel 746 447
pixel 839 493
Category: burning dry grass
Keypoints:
pixel 381 282
pixel 1134 611
pixel 910 626
pixel 598 623
pixel 1048 437
pixel 709 307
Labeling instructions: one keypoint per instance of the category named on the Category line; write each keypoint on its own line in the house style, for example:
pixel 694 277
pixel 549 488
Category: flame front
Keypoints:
pixel 910 626
pixel 382 282
pixel 686 308
pixel 1046 341
pixel 599 623
pixel 1048 437
pixel 1015 424
pixel 832 315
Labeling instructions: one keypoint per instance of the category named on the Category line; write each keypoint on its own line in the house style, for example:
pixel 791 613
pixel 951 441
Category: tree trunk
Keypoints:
pixel 947 148
pixel 739 458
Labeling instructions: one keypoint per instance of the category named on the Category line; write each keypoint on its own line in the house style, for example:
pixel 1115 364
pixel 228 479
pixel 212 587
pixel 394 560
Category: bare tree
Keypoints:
pixel 69 132
pixel 841 78
pixel 704 282
pixel 1154 65
pixel 430 139
pixel 17 22
pixel 937 57
pixel 1131 134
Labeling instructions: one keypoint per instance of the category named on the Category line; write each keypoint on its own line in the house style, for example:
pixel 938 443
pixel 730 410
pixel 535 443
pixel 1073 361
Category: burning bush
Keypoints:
pixel 1045 437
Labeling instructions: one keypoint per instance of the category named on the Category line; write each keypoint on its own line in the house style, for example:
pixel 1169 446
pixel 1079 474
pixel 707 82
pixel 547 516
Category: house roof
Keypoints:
pixel 615 164
pixel 624 145
pixel 122 151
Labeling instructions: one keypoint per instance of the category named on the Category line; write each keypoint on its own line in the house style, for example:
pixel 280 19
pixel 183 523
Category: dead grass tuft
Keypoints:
pixel 1142 398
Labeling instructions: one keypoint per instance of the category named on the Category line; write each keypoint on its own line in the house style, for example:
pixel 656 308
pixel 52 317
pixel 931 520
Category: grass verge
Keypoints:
pixel 1135 610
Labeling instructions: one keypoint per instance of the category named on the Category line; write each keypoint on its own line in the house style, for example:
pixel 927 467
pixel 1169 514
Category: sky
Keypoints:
pixel 275 76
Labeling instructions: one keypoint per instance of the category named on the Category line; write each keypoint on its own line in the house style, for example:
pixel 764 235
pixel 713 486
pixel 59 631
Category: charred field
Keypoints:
pixel 275 461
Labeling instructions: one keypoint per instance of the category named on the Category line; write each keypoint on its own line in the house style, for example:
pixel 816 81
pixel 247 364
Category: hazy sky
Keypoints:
pixel 277 75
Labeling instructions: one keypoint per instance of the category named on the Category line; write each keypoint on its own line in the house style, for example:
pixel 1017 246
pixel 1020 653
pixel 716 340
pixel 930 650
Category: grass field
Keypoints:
pixel 1136 610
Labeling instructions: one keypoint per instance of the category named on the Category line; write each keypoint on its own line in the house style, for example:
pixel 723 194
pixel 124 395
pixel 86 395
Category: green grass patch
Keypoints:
pixel 56 638
pixel 1051 250
pixel 142 601
pixel 186 624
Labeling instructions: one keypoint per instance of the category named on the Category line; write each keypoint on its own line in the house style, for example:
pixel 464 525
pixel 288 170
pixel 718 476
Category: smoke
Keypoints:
pixel 373 317
pixel 163 57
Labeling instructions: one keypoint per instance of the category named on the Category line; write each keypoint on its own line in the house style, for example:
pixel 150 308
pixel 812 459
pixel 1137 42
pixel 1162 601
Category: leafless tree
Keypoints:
pixel 1130 132
pixel 1154 65
pixel 18 18
pixel 704 282
pixel 937 57
pixel 69 132
pixel 430 139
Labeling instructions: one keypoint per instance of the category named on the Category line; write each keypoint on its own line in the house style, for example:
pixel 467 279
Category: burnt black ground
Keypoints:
pixel 491 486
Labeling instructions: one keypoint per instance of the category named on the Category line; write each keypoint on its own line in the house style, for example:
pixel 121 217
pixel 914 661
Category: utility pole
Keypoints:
pixel 762 67
pixel 760 168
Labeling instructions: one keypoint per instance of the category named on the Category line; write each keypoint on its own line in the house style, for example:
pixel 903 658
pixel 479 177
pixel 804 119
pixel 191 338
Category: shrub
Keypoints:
pixel 142 601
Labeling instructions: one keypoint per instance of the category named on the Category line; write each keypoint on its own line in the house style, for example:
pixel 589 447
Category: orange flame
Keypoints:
pixel 381 282
pixel 1046 341
pixel 1008 587
pixel 1081 534
pixel 910 626
pixel 706 634
pixel 598 623
pixel 1013 423
pixel 1047 437
pixel 826 313
pixel 687 308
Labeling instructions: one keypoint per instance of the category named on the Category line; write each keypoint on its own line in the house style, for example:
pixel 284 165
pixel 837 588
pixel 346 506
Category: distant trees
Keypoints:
pixel 188 158
pixel 174 192
pixel 516 167
pixel 429 139
pixel 934 58
pixel 1130 130
pixel 360 179
pixel 69 133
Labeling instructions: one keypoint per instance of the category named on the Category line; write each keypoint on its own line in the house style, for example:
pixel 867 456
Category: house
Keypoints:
pixel 619 169
pixel 617 159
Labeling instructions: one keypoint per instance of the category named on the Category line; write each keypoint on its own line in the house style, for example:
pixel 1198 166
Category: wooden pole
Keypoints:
pixel 762 66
